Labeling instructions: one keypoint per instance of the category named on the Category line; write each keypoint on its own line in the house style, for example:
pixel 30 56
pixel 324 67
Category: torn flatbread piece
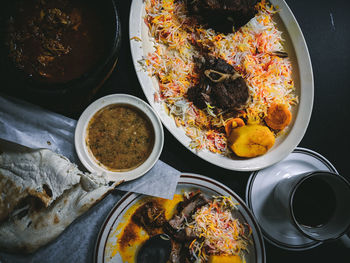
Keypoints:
pixel 37 173
pixel 33 215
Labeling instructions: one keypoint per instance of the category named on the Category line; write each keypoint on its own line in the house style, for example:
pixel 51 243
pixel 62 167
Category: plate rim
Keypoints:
pixel 185 178
pixel 302 119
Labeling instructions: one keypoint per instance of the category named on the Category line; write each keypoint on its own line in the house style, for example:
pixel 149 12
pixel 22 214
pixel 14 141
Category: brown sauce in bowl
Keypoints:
pixel 120 137
pixel 57 41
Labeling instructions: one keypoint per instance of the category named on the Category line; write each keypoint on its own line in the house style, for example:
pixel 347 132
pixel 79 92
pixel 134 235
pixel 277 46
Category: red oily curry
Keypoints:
pixel 57 41
pixel 120 137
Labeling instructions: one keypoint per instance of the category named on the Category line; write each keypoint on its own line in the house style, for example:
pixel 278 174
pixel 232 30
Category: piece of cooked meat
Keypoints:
pixel 181 235
pixel 150 216
pixel 174 227
pixel 175 255
pixel 220 85
pixel 187 207
pixel 222 15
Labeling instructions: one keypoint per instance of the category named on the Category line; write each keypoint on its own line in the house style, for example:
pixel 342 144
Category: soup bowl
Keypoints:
pixel 91 160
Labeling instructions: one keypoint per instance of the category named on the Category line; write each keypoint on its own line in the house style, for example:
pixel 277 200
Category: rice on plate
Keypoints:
pixel 256 51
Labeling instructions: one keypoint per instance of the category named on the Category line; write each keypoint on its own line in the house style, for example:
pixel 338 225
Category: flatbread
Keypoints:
pixel 37 173
pixel 32 217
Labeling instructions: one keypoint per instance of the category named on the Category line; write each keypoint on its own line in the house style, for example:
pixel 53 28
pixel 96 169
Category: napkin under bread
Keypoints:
pixel 42 193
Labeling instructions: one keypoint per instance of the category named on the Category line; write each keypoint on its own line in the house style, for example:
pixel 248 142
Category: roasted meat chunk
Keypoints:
pixel 222 15
pixel 220 85
pixel 175 255
pixel 175 226
pixel 150 216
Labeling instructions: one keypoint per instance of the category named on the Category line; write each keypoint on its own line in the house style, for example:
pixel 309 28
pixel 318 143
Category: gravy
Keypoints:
pixel 120 137
pixel 56 41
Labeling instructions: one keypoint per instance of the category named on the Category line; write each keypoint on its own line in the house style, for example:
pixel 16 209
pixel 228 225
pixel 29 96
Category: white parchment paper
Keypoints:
pixel 34 127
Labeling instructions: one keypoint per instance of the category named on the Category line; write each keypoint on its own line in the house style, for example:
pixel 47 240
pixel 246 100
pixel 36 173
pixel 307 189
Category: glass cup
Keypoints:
pixel 317 204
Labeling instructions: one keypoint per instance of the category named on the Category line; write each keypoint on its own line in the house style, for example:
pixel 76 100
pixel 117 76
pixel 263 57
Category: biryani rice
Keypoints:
pixel 249 50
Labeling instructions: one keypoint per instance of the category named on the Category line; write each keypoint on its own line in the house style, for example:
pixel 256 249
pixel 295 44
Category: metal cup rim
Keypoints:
pixel 295 222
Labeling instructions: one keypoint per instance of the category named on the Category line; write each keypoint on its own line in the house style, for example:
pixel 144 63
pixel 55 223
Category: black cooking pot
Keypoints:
pixel 70 97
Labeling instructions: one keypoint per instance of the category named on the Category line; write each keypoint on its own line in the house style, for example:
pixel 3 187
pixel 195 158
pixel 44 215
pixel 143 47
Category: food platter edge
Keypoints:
pixel 276 154
pixel 186 178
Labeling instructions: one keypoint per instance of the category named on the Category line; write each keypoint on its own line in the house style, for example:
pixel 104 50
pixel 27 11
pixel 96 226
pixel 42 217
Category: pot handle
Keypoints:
pixel 345 239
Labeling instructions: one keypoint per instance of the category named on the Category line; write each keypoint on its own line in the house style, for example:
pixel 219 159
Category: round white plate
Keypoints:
pixel 275 227
pixel 187 182
pixel 302 75
pixel 89 161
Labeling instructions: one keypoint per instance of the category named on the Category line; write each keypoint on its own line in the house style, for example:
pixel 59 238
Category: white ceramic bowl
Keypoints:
pixel 81 130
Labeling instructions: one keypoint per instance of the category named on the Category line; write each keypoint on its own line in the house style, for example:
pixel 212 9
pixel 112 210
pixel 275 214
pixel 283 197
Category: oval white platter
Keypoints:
pixel 296 48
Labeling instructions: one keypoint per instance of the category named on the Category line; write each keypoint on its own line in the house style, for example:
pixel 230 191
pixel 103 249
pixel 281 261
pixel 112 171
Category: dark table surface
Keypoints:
pixel 326 28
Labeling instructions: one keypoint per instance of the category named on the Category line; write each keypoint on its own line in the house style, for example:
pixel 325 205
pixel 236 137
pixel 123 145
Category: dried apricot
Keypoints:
pixel 278 116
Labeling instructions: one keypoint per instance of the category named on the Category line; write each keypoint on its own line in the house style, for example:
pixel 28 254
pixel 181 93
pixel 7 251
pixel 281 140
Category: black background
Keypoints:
pixel 328 132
